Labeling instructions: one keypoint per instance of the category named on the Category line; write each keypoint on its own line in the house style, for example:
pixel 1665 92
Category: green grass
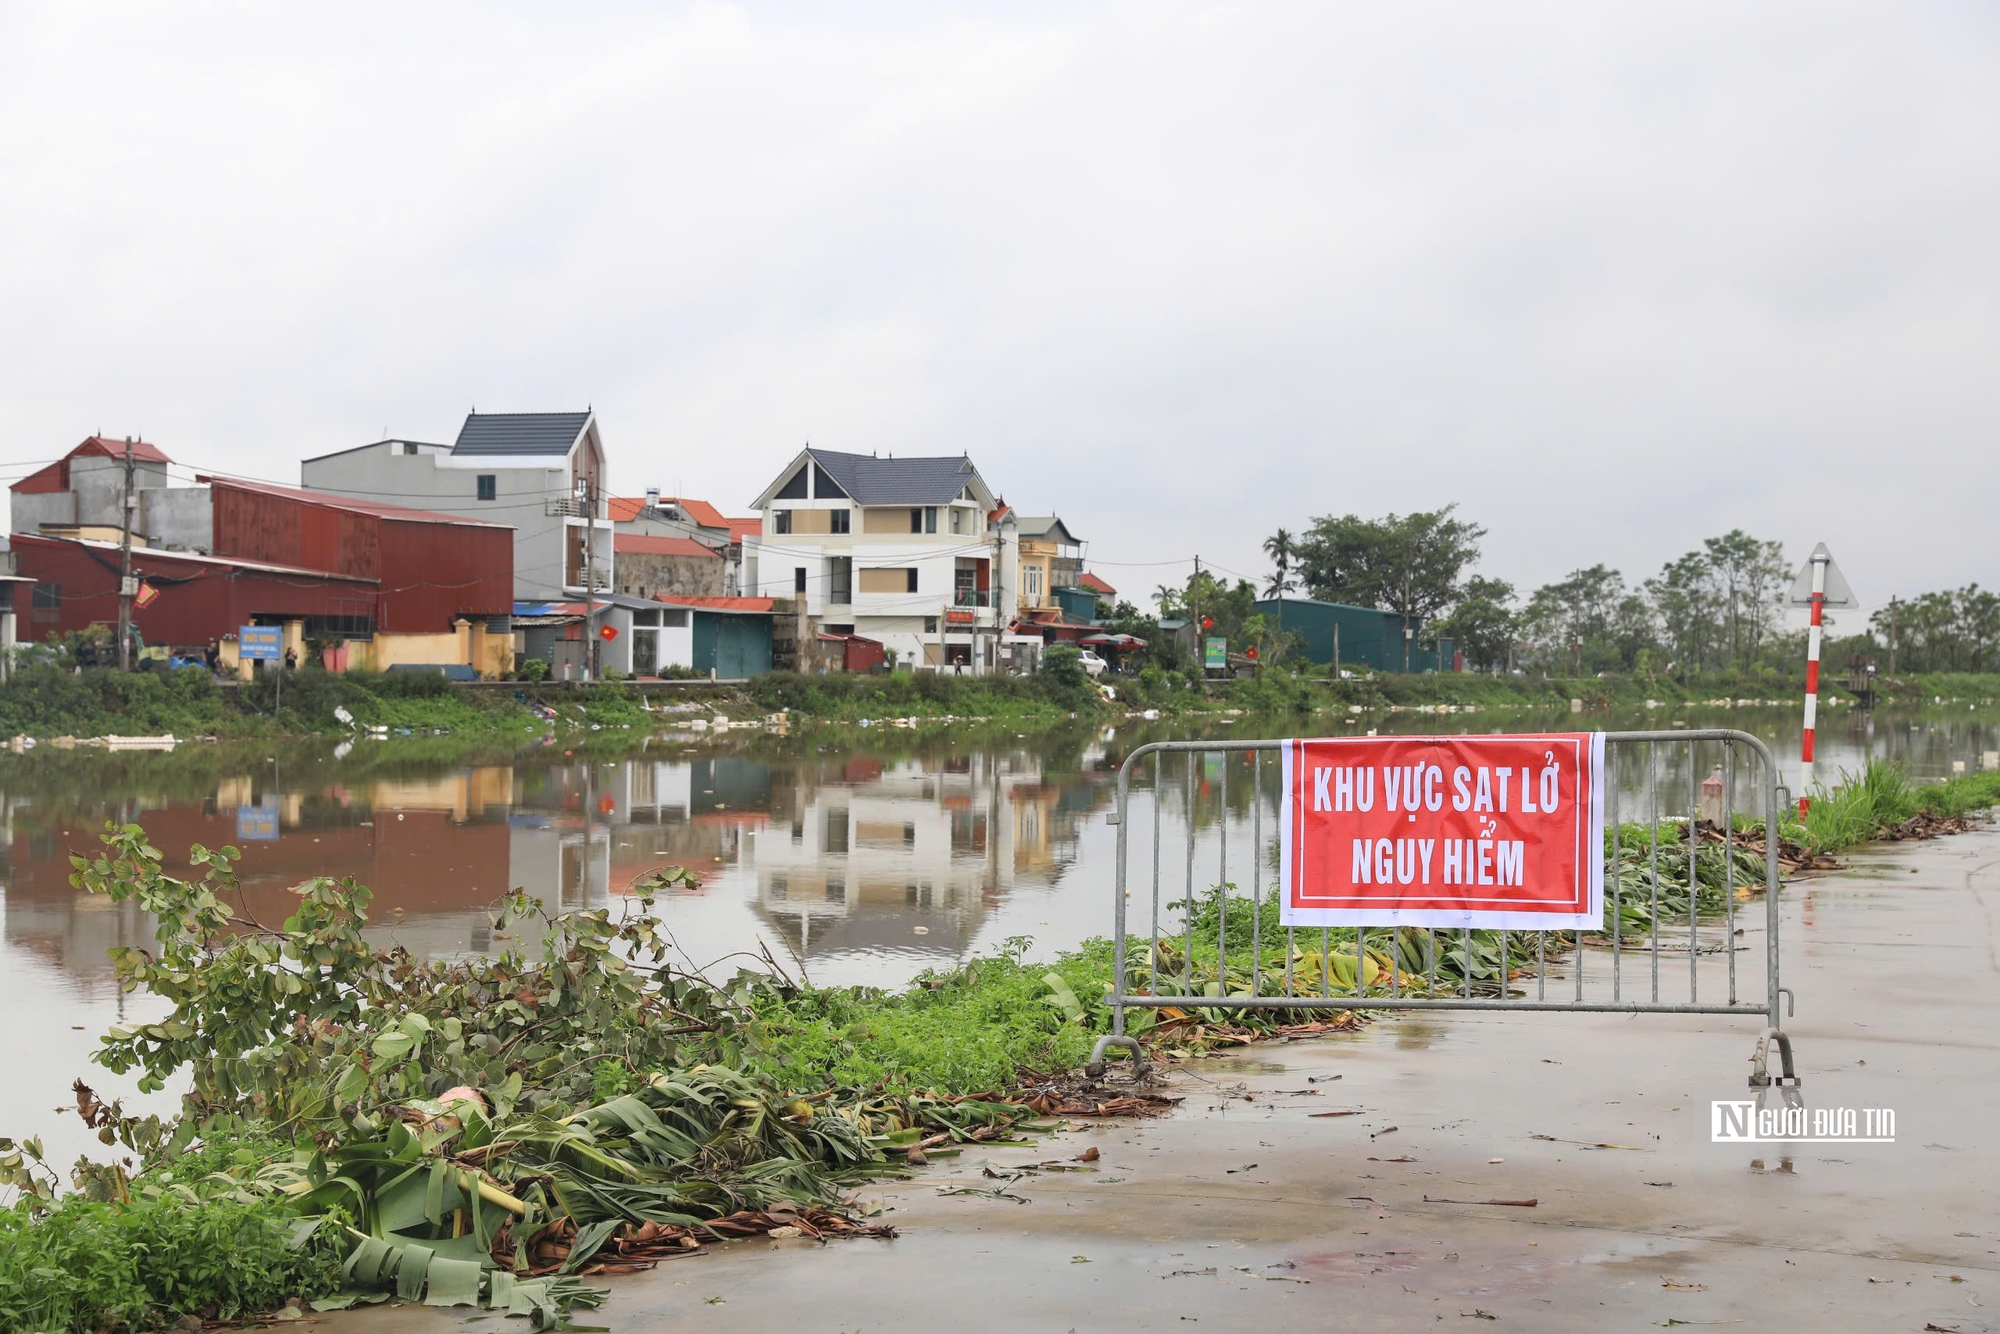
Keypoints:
pixel 1862 807
pixel 196 1246
pixel 972 1029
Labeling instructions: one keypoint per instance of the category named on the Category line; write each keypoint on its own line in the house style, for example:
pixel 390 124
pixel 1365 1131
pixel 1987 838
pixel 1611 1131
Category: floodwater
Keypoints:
pixel 851 856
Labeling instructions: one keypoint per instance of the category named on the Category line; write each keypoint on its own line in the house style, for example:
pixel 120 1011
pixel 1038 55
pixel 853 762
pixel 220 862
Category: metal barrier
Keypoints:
pixel 1617 970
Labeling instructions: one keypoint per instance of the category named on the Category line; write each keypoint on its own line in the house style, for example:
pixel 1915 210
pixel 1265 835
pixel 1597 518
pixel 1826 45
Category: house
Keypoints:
pixel 657 516
pixel 1106 595
pixel 374 584
pixel 542 473
pixel 916 554
pixel 1363 638
pixel 648 566
pixel 725 637
pixel 1051 559
pixel 81 495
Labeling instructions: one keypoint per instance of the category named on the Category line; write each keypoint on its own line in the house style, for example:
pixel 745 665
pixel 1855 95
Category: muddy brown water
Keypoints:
pixel 854 856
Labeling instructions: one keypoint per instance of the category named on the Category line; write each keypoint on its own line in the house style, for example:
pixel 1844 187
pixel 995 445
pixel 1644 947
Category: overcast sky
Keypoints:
pixel 1613 278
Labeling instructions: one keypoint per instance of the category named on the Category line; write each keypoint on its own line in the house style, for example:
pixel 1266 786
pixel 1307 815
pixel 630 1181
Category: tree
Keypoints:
pixel 1578 617
pixel 1753 576
pixel 1282 549
pixel 1689 606
pixel 1410 564
pixel 1483 624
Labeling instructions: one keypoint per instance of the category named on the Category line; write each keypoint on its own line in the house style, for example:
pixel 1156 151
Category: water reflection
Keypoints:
pixel 852 866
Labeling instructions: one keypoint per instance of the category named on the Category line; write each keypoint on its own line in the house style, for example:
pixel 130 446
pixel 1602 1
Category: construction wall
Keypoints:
pixel 648 574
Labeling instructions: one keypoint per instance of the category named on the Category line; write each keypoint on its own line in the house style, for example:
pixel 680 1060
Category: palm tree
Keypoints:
pixel 1279 547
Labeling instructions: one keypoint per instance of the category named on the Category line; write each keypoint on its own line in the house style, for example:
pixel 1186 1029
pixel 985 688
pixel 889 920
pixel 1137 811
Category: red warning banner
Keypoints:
pixel 1458 831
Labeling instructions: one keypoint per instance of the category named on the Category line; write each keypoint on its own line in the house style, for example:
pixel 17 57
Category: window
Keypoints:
pixel 47 602
pixel 1033 580
pixel 781 521
pixel 824 487
pixel 674 619
pixel 799 579
pixel 890 580
pixel 930 518
pixel 840 519
pixel 840 579
pixel 930 625
pixel 795 488
pixel 957 520
pixel 645 618
pixel 489 486
pixel 916 521
pixel 409 449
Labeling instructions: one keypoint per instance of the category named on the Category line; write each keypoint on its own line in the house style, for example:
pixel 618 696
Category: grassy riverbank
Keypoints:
pixel 45 703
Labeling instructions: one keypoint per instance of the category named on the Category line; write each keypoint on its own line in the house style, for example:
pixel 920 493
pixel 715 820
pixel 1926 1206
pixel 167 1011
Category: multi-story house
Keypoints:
pixel 917 554
pixel 542 473
pixel 1051 559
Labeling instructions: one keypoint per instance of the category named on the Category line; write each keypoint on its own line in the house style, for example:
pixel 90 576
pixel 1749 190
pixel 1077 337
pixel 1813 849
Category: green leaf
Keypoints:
pixel 394 1046
pixel 453 1283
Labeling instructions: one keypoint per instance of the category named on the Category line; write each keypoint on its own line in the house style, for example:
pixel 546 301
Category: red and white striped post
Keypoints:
pixel 1820 585
pixel 1819 564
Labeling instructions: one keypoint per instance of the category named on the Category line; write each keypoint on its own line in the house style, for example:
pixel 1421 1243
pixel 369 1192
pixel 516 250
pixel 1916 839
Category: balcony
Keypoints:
pixel 974 597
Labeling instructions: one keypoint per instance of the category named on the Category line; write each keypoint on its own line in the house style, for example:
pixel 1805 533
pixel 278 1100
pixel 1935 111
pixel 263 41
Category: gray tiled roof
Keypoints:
pixel 519 432
pixel 869 480
pixel 1043 528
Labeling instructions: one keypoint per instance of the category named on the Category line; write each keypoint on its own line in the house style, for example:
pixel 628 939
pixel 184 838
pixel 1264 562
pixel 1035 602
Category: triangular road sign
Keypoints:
pixel 1838 594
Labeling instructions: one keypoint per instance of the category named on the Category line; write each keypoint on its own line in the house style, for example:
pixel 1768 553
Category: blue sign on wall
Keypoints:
pixel 264 643
pixel 257 824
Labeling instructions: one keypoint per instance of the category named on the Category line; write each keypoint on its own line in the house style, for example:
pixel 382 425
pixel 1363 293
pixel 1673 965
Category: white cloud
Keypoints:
pixel 1614 278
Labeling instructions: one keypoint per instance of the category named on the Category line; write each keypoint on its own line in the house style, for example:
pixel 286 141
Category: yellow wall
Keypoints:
pixel 880 520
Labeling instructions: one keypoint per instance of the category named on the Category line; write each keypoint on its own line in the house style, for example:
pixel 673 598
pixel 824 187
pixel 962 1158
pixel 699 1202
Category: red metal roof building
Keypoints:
pixel 431 568
pixel 55 477
pixel 341 566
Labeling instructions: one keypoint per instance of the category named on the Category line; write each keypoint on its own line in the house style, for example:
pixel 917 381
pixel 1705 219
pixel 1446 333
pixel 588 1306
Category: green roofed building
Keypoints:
pixel 1370 639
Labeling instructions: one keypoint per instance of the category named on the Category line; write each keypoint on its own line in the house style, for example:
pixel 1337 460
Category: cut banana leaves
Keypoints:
pixel 435 1276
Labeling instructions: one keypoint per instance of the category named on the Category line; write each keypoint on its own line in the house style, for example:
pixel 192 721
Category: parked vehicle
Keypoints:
pixel 1093 664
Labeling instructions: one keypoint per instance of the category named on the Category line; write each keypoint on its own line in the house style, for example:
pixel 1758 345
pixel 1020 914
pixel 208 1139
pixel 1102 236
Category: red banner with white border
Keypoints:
pixel 1459 831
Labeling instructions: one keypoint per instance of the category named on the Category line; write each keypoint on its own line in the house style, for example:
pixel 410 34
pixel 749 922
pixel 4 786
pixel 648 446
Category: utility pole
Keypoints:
pixel 1200 635
pixel 1892 635
pixel 126 586
pixel 593 661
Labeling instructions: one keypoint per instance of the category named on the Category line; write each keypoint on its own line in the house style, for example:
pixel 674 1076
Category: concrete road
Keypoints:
pixel 1243 1210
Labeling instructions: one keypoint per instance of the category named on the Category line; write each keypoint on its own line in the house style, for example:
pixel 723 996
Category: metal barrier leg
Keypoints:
pixel 1787 1083
pixel 1095 1069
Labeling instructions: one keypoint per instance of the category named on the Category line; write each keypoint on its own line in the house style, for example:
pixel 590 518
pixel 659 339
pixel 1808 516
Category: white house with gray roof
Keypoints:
pixel 541 472
pixel 917 553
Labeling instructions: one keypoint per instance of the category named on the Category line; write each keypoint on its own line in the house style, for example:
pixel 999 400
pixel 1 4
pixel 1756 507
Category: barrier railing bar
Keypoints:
pixel 1694 881
pixel 1222 877
pixel 1653 859
pixel 1729 862
pixel 1153 958
pixel 1617 875
pixel 1256 869
pixel 1187 906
